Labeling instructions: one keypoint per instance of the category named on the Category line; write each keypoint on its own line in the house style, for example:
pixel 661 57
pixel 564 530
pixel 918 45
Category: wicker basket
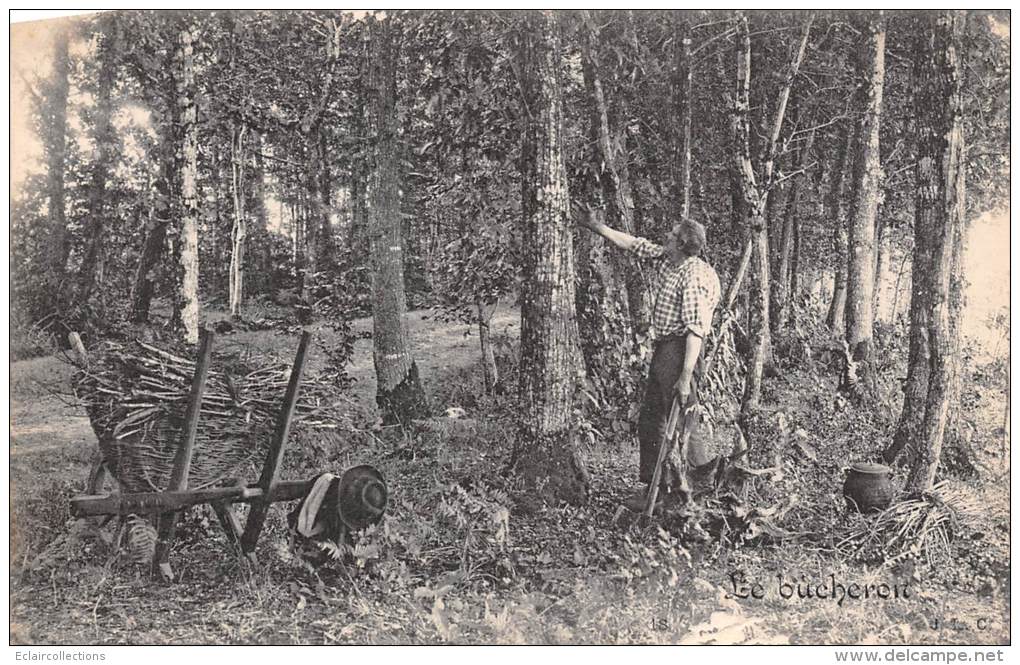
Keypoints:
pixel 136 396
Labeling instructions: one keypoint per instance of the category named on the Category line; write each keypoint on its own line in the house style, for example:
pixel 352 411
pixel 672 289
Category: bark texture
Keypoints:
pixel 938 227
pixel 183 231
pixel 399 392
pixel 755 195
pixel 239 230
pixel 143 287
pixel 603 305
pixel 835 205
pixel 860 315
pixel 682 102
pixel 546 453
pixel 785 278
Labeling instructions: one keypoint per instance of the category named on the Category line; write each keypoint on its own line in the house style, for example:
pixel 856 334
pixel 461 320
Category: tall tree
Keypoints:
pixel 182 233
pixel 239 230
pixel 143 287
pixel 399 393
pixel 604 314
pixel 546 453
pixel 940 206
pixel 682 105
pixel 104 140
pixel 54 129
pixel 835 204
pixel 785 281
pixel 319 231
pixel 612 175
pixel 755 194
pixel 860 315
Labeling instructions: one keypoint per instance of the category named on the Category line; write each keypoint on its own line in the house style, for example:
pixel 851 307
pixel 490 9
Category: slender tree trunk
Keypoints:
pixel 399 391
pixel 327 243
pixel 867 191
pixel 881 261
pixel 755 195
pixel 939 212
pixel 836 207
pixel 260 217
pixel 775 215
pixel 614 179
pixel 357 240
pixel 239 232
pixel 546 454
pixel 604 316
pixel 490 372
pixel 55 130
pixel 682 102
pixel 313 214
pixel 754 205
pixel 104 148
pixel 783 289
pixel 143 287
pixel 795 276
pixel 183 234
pixel 955 436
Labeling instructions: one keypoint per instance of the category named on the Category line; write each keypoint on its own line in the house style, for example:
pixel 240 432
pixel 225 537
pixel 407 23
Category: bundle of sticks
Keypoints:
pixel 136 394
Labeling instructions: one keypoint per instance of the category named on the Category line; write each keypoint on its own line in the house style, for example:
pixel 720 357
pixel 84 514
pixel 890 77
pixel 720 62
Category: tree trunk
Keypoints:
pixel 937 226
pixel 795 276
pixel 327 243
pixel 955 437
pixel 313 224
pixel 867 191
pixel 143 287
pixel 783 289
pixel 490 372
pixel 755 198
pixel 754 206
pixel 546 453
pixel 183 232
pixel 359 163
pixel 939 212
pixel 100 176
pixel 881 261
pixel 399 391
pixel 55 137
pixel 614 180
pixel 260 216
pixel 836 206
pixel 602 301
pixel 239 233
pixel 682 102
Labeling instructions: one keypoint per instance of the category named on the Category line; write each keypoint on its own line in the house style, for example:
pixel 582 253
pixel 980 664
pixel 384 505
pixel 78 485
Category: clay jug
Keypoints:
pixel 868 487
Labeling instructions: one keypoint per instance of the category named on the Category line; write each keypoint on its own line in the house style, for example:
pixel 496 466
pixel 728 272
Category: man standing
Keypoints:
pixel 686 294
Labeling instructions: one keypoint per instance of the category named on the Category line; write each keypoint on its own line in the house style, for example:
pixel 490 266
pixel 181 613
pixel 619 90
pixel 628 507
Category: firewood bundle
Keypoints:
pixel 136 394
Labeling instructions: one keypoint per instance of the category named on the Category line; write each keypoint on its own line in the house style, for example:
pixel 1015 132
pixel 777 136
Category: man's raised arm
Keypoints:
pixel 619 238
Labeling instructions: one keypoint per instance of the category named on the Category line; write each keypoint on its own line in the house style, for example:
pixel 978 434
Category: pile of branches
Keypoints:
pixel 136 395
pixel 918 528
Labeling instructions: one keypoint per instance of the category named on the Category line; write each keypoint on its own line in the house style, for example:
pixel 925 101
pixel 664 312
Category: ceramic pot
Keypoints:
pixel 868 487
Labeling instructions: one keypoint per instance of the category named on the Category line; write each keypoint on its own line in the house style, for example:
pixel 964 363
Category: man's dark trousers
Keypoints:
pixel 667 362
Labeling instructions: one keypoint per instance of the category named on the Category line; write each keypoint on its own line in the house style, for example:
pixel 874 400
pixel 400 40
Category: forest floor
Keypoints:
pixel 455 561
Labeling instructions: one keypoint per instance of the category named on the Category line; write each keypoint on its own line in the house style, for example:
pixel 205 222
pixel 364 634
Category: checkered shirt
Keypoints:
pixel 687 294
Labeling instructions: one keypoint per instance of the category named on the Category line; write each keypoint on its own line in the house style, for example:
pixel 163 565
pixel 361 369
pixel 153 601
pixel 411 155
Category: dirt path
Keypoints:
pixel 43 421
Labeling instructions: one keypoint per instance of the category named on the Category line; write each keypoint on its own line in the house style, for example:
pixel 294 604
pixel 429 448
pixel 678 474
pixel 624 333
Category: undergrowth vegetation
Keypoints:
pixel 456 560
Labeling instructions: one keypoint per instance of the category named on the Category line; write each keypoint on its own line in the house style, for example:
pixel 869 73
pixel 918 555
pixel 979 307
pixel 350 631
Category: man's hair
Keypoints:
pixel 690 237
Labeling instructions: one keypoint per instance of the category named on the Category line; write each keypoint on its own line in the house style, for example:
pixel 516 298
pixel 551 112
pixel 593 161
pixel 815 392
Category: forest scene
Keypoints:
pixel 510 327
